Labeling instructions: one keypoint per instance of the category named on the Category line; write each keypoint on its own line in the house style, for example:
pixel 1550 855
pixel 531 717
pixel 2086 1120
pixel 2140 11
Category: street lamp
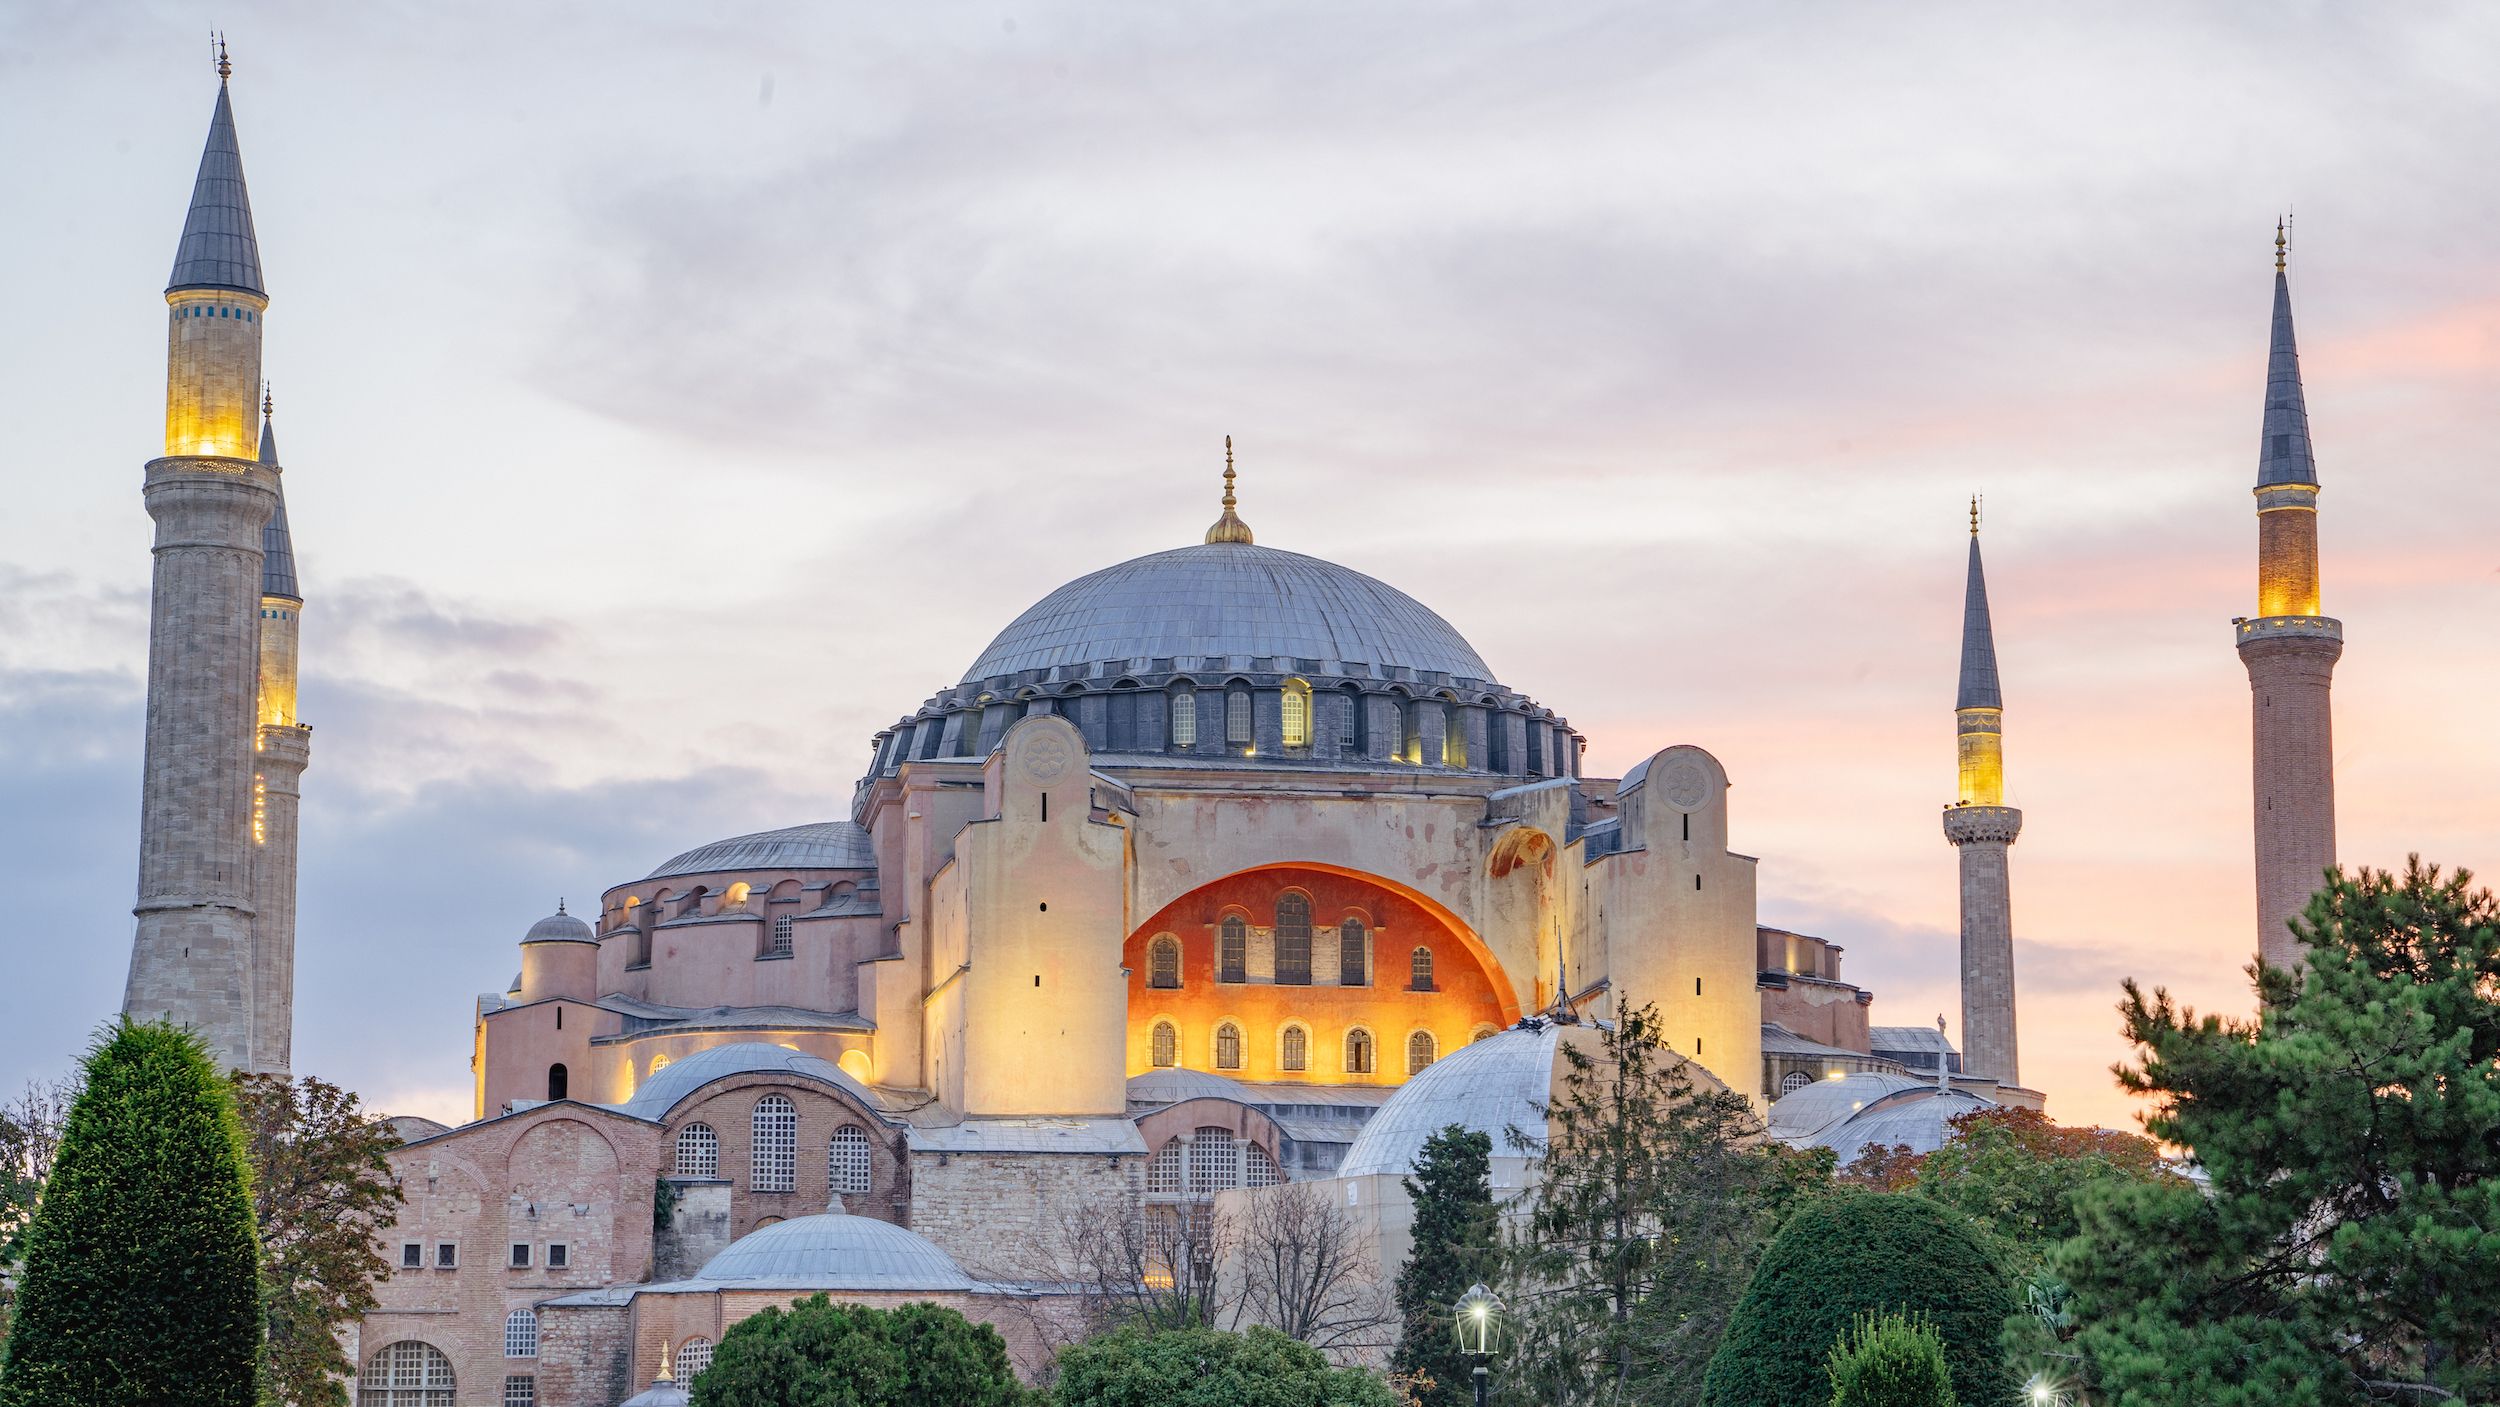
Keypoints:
pixel 1479 1319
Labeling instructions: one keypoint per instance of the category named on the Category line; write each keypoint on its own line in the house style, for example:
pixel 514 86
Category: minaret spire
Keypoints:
pixel 1230 527
pixel 1982 828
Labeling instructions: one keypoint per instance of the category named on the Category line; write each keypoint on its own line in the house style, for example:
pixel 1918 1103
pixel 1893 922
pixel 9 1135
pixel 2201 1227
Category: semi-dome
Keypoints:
pixel 821 845
pixel 560 927
pixel 1225 600
pixel 1171 1086
pixel 836 1251
pixel 665 1090
pixel 1491 1086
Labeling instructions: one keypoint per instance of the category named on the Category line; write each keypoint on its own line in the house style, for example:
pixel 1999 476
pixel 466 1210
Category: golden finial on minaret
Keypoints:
pixel 2282 241
pixel 1974 515
pixel 1230 527
pixel 224 69
pixel 267 406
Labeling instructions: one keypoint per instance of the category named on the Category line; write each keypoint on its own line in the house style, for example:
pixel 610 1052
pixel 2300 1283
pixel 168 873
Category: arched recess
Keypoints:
pixel 1504 993
pixel 1521 896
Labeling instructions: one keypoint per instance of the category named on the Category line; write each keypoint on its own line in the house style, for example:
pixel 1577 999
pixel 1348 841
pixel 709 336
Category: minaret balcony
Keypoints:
pixel 2252 629
pixel 1964 825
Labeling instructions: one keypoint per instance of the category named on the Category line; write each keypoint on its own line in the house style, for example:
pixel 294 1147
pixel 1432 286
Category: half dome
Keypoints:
pixel 1226 600
pixel 820 845
pixel 836 1251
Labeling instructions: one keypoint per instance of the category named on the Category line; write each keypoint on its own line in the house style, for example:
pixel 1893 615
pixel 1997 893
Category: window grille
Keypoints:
pixel 1349 723
pixel 1419 970
pixel 1233 957
pixel 1185 719
pixel 520 1334
pixel 1263 1171
pixel 1794 1081
pixel 1163 962
pixel 1167 1043
pixel 1297 716
pixel 1358 1052
pixel 406 1374
pixel 846 1168
pixel 1214 1161
pixel 520 1390
pixel 1163 1170
pixel 1237 716
pixel 1293 940
pixel 447 1256
pixel 781 944
pixel 1296 1054
pixel 692 1359
pixel 698 1151
pixel 776 1145
pixel 1353 961
pixel 1228 1047
pixel 1420 1049
pixel 559 1255
pixel 411 1256
pixel 520 1255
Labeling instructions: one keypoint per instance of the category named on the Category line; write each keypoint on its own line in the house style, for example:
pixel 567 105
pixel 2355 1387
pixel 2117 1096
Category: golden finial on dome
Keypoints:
pixel 1230 527
pixel 668 1371
pixel 224 69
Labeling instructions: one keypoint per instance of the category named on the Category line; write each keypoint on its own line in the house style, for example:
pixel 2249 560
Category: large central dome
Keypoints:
pixel 1229 599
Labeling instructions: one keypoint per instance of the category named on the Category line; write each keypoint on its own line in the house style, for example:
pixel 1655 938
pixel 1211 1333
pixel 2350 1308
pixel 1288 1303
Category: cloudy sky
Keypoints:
pixel 670 401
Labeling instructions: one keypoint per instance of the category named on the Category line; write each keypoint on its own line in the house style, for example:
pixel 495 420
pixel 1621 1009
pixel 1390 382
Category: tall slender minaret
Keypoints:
pixel 211 497
pixel 282 746
pixel 1983 828
pixel 2290 650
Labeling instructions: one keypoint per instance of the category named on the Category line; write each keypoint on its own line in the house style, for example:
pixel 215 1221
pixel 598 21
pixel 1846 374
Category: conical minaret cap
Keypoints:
pixel 2283 454
pixel 218 248
pixel 1979 646
pixel 277 548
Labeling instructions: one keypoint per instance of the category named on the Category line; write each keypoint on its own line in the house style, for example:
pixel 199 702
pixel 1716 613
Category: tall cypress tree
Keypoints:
pixel 142 1268
pixel 1452 1190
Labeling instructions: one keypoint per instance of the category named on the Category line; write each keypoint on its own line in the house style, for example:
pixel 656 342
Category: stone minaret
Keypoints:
pixel 2290 650
pixel 192 958
pixel 283 745
pixel 1982 827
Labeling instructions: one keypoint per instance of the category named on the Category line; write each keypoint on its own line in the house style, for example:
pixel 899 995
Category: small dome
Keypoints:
pixel 1173 1086
pixel 1492 1086
pixel 560 927
pixel 836 1251
pixel 1847 1114
pixel 822 845
pixel 1826 1104
pixel 666 1392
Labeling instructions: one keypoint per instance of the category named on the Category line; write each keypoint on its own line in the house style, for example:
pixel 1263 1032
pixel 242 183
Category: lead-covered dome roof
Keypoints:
pixel 821 845
pixel 1225 600
pixel 836 1251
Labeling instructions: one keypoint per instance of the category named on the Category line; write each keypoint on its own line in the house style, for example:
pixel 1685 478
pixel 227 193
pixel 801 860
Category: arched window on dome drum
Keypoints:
pixel 1184 718
pixel 1237 717
pixel 520 1334
pixel 1228 1047
pixel 775 1147
pixel 698 1151
pixel 1293 941
pixel 1353 956
pixel 1163 962
pixel 1453 736
pixel 1124 721
pixel 1794 1081
pixel 1294 1049
pixel 1419 970
pixel 692 1359
pixel 1359 1059
pixel 406 1374
pixel 1214 1161
pixel 559 1082
pixel 1420 1050
pixel 1297 714
pixel 846 1163
pixel 1232 950
pixel 1350 722
pixel 1165 1046
pixel 1411 732
pixel 782 943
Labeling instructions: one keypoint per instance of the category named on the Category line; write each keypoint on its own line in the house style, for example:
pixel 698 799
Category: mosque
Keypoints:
pixel 1219 868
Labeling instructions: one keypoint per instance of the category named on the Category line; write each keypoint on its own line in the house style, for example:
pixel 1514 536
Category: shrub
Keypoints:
pixel 1890 1360
pixel 1854 1254
pixel 1209 1368
pixel 816 1351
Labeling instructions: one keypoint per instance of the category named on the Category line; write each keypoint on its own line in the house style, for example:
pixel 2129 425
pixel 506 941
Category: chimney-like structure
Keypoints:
pixel 1982 829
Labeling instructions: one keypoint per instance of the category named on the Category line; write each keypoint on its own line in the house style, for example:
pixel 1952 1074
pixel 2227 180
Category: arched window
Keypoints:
pixel 1419 970
pixel 1411 732
pixel 1293 941
pixel 1353 956
pixel 1228 1046
pixel 1163 961
pixel 1350 721
pixel 1294 1049
pixel 1420 1049
pixel 659 1062
pixel 775 1165
pixel 1453 736
pixel 1163 1170
pixel 1167 1046
pixel 1297 714
pixel 520 1334
pixel 405 1374
pixel 1237 716
pixel 1232 954
pixel 559 1081
pixel 735 897
pixel 1482 1033
pixel 1260 1169
pixel 1794 1081
pixel 1184 718
pixel 846 1165
pixel 698 1151
pixel 1359 1059
pixel 1214 1160
pixel 692 1359
pixel 780 945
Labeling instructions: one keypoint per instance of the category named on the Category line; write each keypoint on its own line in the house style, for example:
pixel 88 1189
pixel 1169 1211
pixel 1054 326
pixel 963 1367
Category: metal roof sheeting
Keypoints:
pixel 835 1251
pixel 819 845
pixel 218 248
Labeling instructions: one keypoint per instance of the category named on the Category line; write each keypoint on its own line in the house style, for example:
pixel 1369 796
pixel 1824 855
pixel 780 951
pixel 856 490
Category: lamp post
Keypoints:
pixel 1479 1319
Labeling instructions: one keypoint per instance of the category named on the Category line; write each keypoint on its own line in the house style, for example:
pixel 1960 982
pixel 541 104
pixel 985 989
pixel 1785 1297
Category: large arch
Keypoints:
pixel 1459 928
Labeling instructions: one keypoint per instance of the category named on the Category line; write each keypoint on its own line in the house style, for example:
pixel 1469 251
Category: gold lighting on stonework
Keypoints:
pixel 1230 527
pixel 260 805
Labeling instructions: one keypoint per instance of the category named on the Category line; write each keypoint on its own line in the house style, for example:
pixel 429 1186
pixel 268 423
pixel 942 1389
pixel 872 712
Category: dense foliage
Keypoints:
pixel 1207 1368
pixel 2014 1173
pixel 818 1353
pixel 1455 1247
pixel 30 1134
pixel 2348 1248
pixel 1658 1193
pixel 141 1285
pixel 1858 1253
pixel 1890 1360
pixel 322 1193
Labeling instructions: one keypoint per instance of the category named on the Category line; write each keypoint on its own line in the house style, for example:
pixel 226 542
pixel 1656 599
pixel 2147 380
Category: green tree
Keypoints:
pixel 30 1134
pixel 1890 1360
pixel 142 1271
pixel 322 1194
pixel 2348 1247
pixel 2016 1173
pixel 1858 1253
pixel 818 1353
pixel 1456 1246
pixel 1657 1192
pixel 1207 1368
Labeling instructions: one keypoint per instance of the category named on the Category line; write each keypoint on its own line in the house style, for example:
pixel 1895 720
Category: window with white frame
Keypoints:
pixel 1214 1160
pixel 692 1359
pixel 1297 714
pixel 782 943
pixel 1349 722
pixel 520 1390
pixel 1185 718
pixel 1794 1081
pixel 405 1374
pixel 1163 1170
pixel 1237 716
pixel 775 1144
pixel 846 1168
pixel 698 1151
pixel 520 1334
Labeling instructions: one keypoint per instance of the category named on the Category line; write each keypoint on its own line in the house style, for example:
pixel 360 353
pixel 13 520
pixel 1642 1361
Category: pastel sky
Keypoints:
pixel 672 396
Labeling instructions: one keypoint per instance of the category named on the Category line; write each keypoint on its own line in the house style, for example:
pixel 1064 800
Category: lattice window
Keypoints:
pixel 781 944
pixel 520 1390
pixel 1163 1170
pixel 1293 941
pixel 1262 1169
pixel 1233 950
pixel 698 1151
pixel 1359 1058
pixel 1237 716
pixel 1185 719
pixel 1228 1047
pixel 692 1359
pixel 1167 1046
pixel 1214 1161
pixel 1420 1050
pixel 1294 1051
pixel 1353 955
pixel 520 1334
pixel 1794 1081
pixel 1163 962
pixel 775 1145
pixel 1419 970
pixel 846 1167
pixel 406 1374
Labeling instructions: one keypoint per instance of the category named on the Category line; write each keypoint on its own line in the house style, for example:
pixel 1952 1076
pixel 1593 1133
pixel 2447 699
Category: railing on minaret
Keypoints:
pixel 1982 828
pixel 2289 649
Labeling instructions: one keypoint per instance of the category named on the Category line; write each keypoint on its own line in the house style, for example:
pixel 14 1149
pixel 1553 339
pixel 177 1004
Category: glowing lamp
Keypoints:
pixel 1479 1317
